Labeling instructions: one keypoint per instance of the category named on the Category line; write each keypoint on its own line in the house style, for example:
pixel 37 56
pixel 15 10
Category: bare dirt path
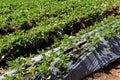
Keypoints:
pixel 111 72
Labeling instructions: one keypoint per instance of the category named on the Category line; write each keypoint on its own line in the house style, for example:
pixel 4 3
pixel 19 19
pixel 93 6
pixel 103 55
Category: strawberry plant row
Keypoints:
pixel 21 42
pixel 19 15
pixel 50 64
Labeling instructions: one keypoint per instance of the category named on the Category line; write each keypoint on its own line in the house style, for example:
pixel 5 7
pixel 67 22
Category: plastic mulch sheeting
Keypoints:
pixel 106 52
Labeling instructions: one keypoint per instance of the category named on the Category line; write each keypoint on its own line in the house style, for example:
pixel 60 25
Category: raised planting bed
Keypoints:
pixel 65 61
pixel 109 72
pixel 23 42
pixel 24 15
pixel 106 52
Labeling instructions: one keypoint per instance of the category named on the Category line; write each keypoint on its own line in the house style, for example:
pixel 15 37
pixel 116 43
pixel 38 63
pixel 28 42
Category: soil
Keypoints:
pixel 110 72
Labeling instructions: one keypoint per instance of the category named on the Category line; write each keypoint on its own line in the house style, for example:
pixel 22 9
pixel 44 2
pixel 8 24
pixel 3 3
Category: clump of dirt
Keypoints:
pixel 110 72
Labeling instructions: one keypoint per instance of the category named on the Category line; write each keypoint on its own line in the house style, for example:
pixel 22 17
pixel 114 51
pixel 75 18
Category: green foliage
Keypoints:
pixel 56 15
pixel 51 18
pixel 45 67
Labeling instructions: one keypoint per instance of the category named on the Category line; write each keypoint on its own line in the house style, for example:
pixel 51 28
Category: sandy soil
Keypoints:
pixel 111 72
